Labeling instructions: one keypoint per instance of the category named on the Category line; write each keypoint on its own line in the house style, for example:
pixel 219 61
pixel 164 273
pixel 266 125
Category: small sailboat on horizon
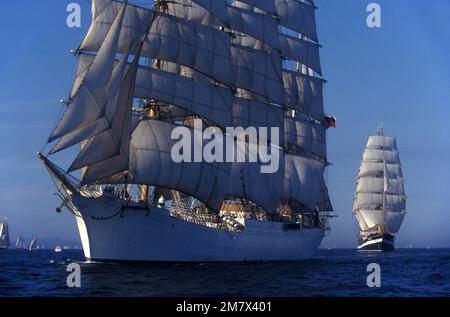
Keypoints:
pixel 4 235
pixel 19 243
pixel 33 244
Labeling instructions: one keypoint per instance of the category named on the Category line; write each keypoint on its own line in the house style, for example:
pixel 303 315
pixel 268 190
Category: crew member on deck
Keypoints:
pixel 161 202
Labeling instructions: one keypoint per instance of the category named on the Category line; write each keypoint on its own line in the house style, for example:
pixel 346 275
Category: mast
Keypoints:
pixel 151 107
pixel 385 179
pixel 380 132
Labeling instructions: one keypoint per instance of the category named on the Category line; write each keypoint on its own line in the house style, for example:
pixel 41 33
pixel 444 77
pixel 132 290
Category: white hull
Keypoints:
pixel 141 235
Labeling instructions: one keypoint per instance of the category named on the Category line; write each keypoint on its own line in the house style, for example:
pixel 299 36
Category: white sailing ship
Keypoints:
pixel 380 202
pixel 33 244
pixel 141 73
pixel 19 243
pixel 4 235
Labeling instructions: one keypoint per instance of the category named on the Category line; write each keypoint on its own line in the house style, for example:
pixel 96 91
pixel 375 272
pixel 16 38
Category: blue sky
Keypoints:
pixel 398 74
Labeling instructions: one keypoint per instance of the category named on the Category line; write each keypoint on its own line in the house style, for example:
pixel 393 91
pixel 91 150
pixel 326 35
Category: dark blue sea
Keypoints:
pixel 404 272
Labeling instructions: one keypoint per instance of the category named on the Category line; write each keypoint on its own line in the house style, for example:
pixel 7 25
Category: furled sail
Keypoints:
pixel 195 58
pixel 380 199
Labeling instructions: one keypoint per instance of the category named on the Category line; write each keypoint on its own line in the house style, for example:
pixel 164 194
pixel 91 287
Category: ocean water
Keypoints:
pixel 405 272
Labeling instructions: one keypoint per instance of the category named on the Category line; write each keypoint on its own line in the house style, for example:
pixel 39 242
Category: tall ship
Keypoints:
pixel 203 67
pixel 380 202
pixel 33 244
pixel 4 234
pixel 19 242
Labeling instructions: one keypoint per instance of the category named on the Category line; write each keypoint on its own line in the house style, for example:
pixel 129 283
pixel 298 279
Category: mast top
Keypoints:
pixel 380 130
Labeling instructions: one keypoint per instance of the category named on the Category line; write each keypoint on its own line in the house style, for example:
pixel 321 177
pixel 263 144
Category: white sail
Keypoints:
pixel 246 181
pixel 324 202
pixel 134 25
pixel 268 6
pixel 307 135
pixel 258 72
pixel 205 49
pixel 375 200
pixel 254 113
pixel 114 141
pixel 4 235
pixel 19 242
pixel 301 51
pixel 394 220
pixel 151 163
pixel 103 123
pixel 190 11
pixel 375 155
pixel 201 97
pixel 376 169
pixel 371 217
pixel 303 93
pixel 302 180
pixel 256 26
pixel 33 244
pixel 88 103
pixel 382 142
pixel 189 44
pixel 296 15
pixel 361 221
pixel 210 101
pixel 376 185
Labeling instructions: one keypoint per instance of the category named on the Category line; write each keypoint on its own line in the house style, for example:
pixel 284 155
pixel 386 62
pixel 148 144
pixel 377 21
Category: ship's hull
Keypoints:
pixel 377 243
pixel 110 233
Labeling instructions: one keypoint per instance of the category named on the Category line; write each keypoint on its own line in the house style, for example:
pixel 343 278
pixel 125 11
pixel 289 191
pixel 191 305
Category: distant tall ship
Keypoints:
pixel 4 235
pixel 142 72
pixel 19 243
pixel 380 202
pixel 33 244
